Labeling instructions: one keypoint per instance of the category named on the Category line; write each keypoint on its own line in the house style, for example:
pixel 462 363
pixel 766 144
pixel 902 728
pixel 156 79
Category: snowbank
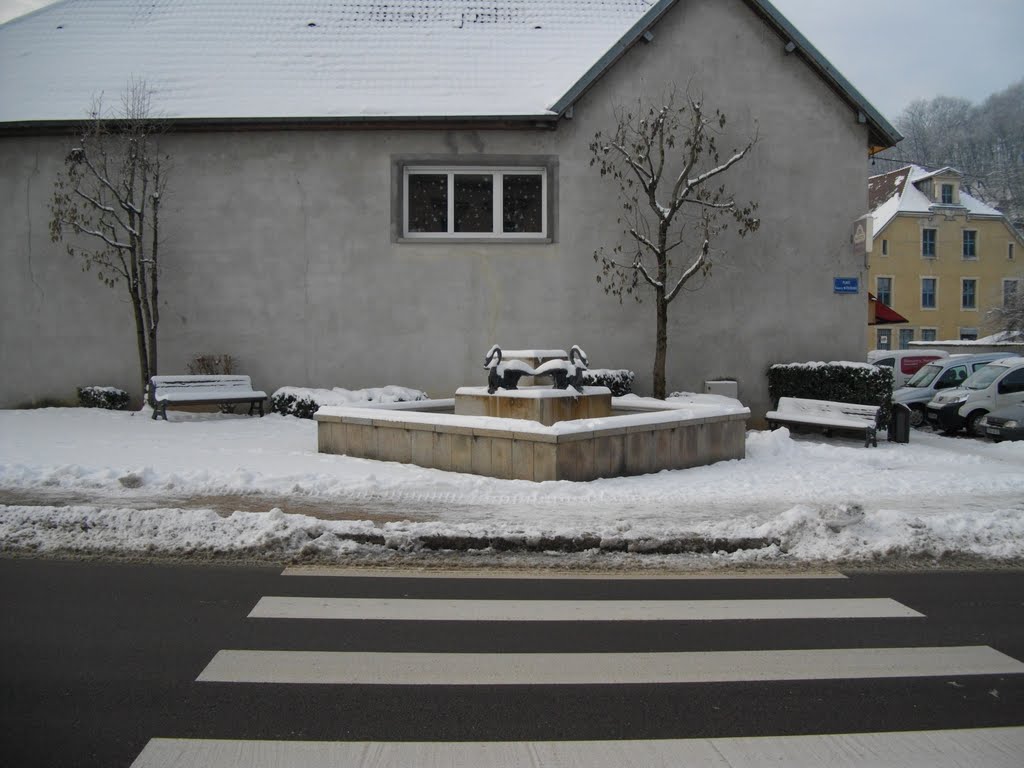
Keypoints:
pixel 805 498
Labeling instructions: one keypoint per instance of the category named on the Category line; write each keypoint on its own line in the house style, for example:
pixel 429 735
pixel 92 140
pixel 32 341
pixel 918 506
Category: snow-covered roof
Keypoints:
pixel 896 192
pixel 340 59
pixel 302 58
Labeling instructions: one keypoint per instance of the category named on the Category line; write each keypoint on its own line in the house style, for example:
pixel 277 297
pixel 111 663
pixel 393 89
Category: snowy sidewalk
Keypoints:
pixel 792 500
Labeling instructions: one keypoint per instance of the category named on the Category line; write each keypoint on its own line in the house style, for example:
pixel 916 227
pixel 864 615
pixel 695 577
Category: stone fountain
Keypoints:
pixel 561 431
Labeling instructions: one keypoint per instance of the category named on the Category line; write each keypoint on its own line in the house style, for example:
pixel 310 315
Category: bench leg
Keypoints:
pixel 160 409
pixel 870 438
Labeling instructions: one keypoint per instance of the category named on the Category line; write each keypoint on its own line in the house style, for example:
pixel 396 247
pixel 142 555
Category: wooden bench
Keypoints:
pixel 202 390
pixel 824 413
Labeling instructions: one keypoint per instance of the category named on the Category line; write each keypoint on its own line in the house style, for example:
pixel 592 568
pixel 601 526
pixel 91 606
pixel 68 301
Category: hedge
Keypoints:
pixel 111 398
pixel 619 381
pixel 304 402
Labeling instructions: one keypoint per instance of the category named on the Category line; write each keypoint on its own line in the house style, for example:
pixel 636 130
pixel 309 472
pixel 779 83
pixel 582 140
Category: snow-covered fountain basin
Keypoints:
pixel 640 436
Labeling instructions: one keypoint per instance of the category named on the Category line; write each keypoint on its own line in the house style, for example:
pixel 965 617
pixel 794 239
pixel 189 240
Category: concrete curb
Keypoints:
pixel 582 543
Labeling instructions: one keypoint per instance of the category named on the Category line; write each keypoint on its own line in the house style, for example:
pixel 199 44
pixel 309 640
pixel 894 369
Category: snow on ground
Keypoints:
pixel 816 498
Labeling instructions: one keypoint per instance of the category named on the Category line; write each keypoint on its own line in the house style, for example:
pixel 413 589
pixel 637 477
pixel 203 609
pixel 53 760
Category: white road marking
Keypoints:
pixel 388 609
pixel 532 575
pixel 990 747
pixel 372 668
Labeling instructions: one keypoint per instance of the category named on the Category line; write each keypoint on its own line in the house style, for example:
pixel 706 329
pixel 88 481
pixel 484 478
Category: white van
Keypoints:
pixel 904 362
pixel 997 385
pixel 943 373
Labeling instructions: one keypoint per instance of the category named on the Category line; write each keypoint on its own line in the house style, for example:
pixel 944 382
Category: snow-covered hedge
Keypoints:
pixel 619 381
pixel 111 398
pixel 840 382
pixel 303 402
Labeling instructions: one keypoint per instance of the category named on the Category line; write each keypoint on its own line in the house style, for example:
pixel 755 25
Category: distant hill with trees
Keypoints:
pixel 985 142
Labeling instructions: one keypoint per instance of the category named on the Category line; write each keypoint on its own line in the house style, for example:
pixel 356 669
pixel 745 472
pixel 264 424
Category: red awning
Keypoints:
pixel 882 314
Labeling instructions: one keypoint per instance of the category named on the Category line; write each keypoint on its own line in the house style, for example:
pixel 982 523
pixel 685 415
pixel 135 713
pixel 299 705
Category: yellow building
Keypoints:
pixel 940 257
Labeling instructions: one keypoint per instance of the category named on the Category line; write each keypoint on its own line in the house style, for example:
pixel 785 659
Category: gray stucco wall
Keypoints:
pixel 279 247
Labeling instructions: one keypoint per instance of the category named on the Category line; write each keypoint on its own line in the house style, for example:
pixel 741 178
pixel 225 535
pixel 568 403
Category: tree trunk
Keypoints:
pixel 661 344
pixel 154 274
pixel 140 341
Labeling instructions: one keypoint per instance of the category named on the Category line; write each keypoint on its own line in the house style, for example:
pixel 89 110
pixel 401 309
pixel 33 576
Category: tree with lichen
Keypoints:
pixel 666 164
pixel 106 207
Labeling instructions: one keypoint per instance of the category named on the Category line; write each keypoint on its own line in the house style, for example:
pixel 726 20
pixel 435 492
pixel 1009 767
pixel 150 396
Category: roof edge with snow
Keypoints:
pixel 881 134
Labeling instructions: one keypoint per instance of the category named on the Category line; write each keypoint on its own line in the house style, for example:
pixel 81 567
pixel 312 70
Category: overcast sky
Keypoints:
pixel 893 51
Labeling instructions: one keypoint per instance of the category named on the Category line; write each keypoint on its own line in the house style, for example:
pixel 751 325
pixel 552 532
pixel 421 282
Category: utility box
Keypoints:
pixel 725 387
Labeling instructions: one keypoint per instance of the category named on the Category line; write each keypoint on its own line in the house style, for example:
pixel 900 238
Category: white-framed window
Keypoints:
pixel 884 339
pixel 929 292
pixel 929 334
pixel 471 202
pixel 883 289
pixel 928 242
pixel 906 336
pixel 947 194
pixel 968 334
pixel 1010 287
pixel 970 244
pixel 968 293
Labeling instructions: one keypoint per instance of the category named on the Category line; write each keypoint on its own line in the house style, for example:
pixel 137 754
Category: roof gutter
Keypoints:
pixel 543 121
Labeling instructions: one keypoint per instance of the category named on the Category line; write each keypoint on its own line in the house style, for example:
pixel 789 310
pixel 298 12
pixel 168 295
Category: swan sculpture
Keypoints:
pixel 566 373
pixel 501 375
pixel 563 373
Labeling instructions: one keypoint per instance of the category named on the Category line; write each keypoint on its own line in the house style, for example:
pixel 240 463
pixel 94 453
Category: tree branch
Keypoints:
pixel 694 269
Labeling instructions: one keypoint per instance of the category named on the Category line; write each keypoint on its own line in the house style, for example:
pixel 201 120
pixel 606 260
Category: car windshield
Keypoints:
pixel 925 376
pixel 981 379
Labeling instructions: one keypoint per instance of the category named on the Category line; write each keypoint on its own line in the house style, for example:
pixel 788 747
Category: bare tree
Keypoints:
pixel 1009 318
pixel 106 207
pixel 666 163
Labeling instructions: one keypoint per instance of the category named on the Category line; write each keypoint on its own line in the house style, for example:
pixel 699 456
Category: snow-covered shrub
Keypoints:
pixel 619 381
pixel 839 382
pixel 303 402
pixel 111 398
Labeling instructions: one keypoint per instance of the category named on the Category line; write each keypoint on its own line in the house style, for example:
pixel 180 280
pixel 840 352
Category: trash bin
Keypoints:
pixel 899 424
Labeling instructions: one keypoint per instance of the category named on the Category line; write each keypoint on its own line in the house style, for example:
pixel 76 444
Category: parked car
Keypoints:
pixel 904 362
pixel 942 373
pixel 997 385
pixel 1005 424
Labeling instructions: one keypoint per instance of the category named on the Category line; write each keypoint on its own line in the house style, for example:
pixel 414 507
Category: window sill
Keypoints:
pixel 475 240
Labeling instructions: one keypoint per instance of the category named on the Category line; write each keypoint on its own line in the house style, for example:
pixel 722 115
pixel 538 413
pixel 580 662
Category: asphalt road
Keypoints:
pixel 97 659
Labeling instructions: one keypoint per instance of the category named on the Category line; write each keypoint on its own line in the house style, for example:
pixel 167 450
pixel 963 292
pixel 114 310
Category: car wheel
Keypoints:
pixel 972 424
pixel 917 416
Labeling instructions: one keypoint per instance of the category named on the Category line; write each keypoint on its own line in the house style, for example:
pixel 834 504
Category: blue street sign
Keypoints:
pixel 846 285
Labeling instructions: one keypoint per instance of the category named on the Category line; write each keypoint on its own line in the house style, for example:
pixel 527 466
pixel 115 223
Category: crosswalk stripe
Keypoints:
pixel 483 574
pixel 575 610
pixel 373 668
pixel 990 747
